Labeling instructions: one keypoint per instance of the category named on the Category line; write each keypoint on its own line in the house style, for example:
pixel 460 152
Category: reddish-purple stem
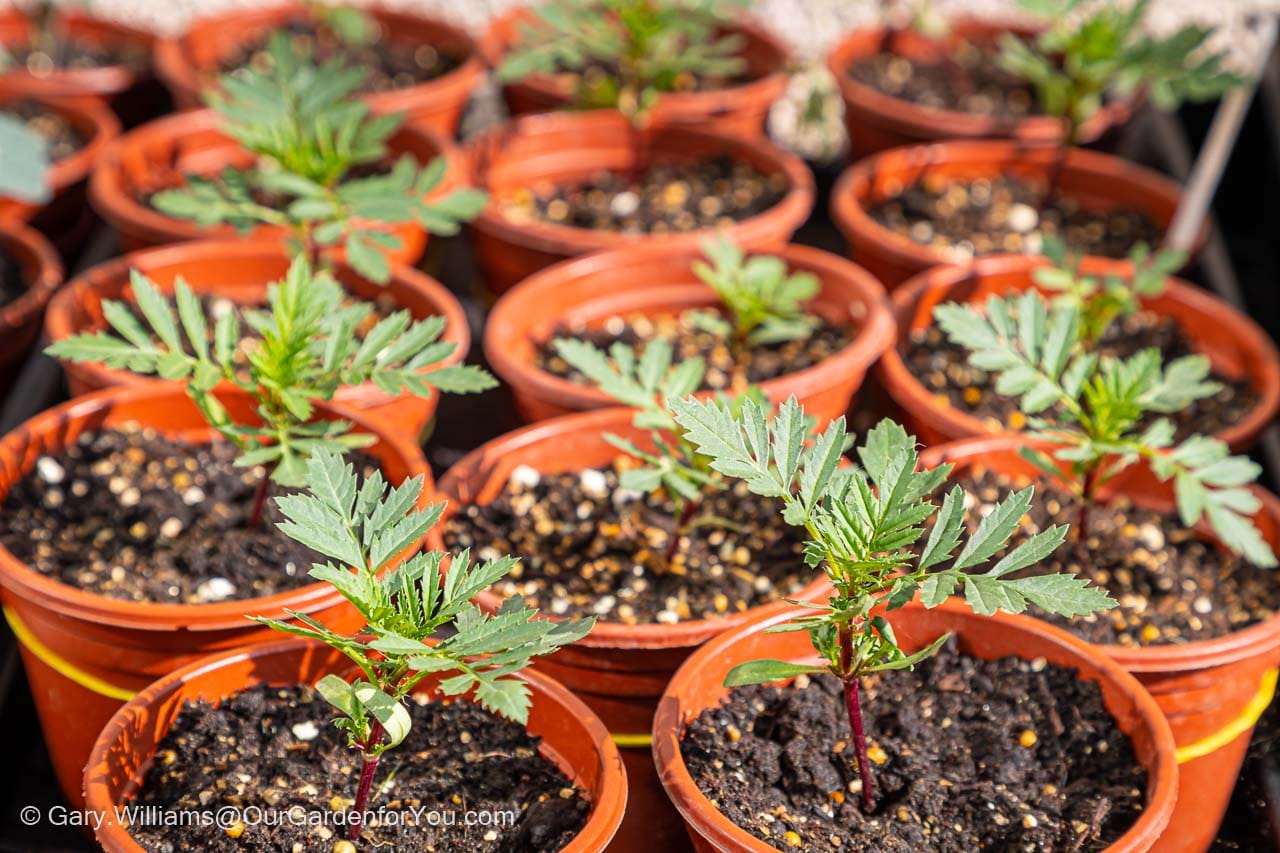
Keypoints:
pixel 259 502
pixel 686 514
pixel 1086 497
pixel 853 704
pixel 368 767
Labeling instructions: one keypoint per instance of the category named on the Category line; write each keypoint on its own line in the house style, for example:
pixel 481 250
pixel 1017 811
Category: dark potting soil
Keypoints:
pixel 129 514
pixel 59 52
pixel 666 197
pixel 277 749
pixel 943 369
pixel 390 62
pixel 971 81
pixel 967 755
pixel 1006 215
pixel 588 547
pixel 1172 586
pixel 61 137
pixel 730 366
pixel 12 283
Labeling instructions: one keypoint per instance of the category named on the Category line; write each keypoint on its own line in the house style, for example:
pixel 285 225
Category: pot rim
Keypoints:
pixel 19 579
pixel 41 271
pixel 1261 638
pixel 699 812
pixel 606 809
pixel 88 285
pixel 792 209
pixel 611 635
pixel 102 81
pixel 510 316
pixel 912 396
pixel 854 187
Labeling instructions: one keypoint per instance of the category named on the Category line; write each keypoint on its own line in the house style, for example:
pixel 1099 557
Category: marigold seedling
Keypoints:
pixel 364 527
pixel 308 349
pixel 24 161
pixel 1099 403
pixel 313 139
pixel 862 523
pixel 627 52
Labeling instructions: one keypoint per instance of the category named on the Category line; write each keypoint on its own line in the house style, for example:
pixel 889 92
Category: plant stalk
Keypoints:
pixel 259 502
pixel 686 514
pixel 853 705
pixel 368 767
pixel 1086 497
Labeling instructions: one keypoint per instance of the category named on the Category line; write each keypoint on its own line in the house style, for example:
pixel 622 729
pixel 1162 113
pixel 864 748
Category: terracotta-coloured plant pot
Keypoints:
pixel 1097 181
pixel 158 154
pixel 106 81
pixel 618 670
pixel 84 654
pixel 1211 691
pixel 187 63
pixel 877 121
pixel 1235 344
pixel 66 177
pixel 41 273
pixel 699 685
pixel 566 148
pixel 240 270
pixel 571 735
pixel 739 110
pixel 656 280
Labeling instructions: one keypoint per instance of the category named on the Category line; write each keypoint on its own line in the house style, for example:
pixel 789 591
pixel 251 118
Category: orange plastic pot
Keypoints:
pixel 41 273
pixel 188 63
pixel 699 685
pixel 619 670
pixel 1235 344
pixel 567 148
pixel 86 655
pixel 877 121
pixel 159 154
pixel 1211 691
pixel 107 81
pixel 241 270
pixel 738 110
pixel 65 178
pixel 1097 181
pixel 572 737
pixel 656 280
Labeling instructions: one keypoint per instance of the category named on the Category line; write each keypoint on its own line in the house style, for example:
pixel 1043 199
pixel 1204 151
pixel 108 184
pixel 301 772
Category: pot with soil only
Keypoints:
pixel 739 110
pixel 239 271
pixel 30 272
pixel 87 652
pixel 1243 358
pixel 1211 690
pixel 158 156
pixel 689 710
pixel 568 737
pixel 964 94
pixel 585 297
pixel 909 209
pixel 444 75
pixel 619 669
pixel 545 173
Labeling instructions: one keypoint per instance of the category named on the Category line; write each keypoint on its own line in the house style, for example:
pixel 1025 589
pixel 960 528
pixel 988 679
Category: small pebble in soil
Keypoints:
pixel 666 197
pixel 955 768
pixel 1172 586
pixel 590 552
pixel 730 366
pixel 61 136
pixel 276 749
pixel 943 368
pixel 1009 214
pixel 153 519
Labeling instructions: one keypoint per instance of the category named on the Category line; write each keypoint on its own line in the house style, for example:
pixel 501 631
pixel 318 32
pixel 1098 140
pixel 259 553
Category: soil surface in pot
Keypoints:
pixel 59 135
pixel 277 749
pixel 589 547
pixel 53 52
pixel 1008 215
pixel 730 366
pixel 390 62
pixel 968 755
pixel 129 514
pixel 664 198
pixel 970 80
pixel 12 282
pixel 1172 586
pixel 942 368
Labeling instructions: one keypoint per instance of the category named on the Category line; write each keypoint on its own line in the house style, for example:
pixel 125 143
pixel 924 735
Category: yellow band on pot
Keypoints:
pixel 633 741
pixel 64 668
pixel 1241 724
